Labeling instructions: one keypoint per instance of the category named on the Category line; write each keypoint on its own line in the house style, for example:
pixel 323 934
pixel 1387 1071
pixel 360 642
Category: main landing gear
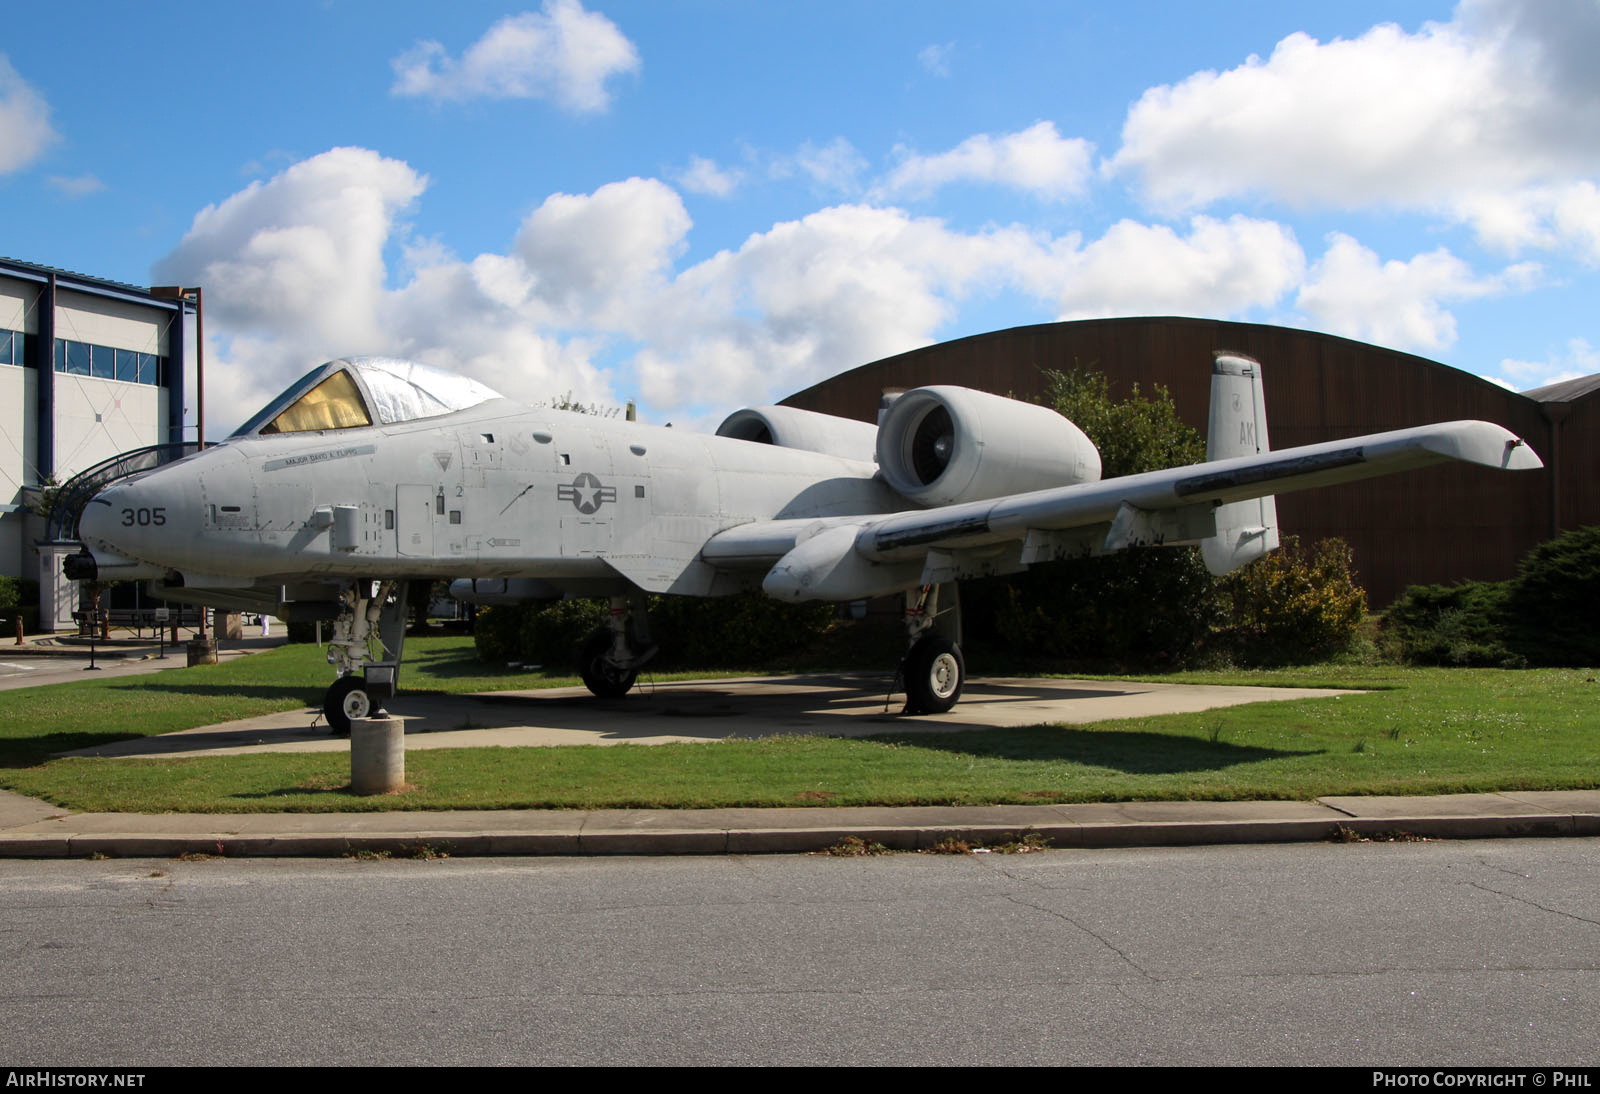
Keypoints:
pixel 933 669
pixel 610 659
pixel 368 637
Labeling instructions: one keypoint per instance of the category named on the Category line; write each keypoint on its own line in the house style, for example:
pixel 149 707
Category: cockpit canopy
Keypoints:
pixel 359 391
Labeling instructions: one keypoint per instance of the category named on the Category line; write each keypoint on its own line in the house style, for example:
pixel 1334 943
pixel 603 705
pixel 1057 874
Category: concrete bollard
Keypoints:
pixel 202 651
pixel 377 755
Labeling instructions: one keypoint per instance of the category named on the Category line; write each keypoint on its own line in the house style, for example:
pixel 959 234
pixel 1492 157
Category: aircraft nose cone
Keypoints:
pixel 96 524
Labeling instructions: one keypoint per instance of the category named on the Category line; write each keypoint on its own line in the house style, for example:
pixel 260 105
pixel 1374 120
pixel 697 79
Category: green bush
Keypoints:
pixel 1549 608
pixel 1142 607
pixel 1292 606
pixel 17 593
pixel 19 596
pixel 542 633
pixel 747 629
pixel 1543 616
pixel 1460 625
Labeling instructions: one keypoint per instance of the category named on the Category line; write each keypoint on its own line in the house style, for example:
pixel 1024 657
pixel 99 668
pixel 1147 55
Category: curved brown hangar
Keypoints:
pixel 1442 525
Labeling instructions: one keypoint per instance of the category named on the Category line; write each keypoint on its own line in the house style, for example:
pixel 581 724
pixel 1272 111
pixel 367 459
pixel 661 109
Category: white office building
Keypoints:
pixel 89 369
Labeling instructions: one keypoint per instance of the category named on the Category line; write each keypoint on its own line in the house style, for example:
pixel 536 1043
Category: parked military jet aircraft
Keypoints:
pixel 371 474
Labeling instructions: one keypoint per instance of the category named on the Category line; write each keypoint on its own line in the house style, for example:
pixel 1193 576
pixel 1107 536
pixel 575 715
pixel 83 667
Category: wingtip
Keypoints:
pixel 1481 443
pixel 1520 456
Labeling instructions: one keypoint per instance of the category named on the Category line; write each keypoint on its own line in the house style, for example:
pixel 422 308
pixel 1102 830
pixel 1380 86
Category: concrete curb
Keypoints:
pixel 778 831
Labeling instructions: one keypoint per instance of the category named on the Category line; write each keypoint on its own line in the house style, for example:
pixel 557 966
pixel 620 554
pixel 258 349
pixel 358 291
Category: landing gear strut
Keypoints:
pixel 610 659
pixel 368 637
pixel 933 669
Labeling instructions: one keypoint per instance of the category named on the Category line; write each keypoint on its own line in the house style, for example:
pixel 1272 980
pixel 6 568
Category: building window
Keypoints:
pixel 105 362
pixel 5 348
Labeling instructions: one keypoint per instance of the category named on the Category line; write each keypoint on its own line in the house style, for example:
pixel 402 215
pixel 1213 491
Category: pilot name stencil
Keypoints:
pixel 319 457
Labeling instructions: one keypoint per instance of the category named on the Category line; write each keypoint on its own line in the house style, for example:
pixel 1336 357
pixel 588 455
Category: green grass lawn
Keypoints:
pixel 1422 731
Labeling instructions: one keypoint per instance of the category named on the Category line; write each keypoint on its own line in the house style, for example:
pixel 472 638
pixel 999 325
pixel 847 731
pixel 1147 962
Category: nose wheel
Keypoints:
pixel 348 699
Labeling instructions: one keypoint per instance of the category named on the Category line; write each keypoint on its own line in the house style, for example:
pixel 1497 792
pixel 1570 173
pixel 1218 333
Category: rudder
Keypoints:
pixel 1246 530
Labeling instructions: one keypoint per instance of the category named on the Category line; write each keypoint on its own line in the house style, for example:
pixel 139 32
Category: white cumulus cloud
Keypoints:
pixel 590 294
pixel 562 53
pixel 835 166
pixel 25 129
pixel 1220 268
pixel 1351 292
pixel 1037 160
pixel 810 298
pixel 703 176
pixel 293 268
pixel 1481 118
pixel 1578 358
pixel 302 251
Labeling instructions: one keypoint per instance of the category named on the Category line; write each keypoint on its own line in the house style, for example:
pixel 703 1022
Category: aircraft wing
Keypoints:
pixel 849 557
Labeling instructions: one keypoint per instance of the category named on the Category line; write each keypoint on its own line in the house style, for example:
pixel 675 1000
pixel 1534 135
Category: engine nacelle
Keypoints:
pixel 790 427
pixel 942 445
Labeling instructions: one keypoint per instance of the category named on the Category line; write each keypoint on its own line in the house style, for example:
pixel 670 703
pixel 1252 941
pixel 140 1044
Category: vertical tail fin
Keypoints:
pixel 1246 530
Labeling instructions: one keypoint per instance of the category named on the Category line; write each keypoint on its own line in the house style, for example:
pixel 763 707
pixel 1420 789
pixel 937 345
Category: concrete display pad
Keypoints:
pixel 709 710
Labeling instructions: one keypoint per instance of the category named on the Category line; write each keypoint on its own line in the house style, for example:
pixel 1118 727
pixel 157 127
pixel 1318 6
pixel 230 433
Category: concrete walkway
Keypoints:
pixel 839 705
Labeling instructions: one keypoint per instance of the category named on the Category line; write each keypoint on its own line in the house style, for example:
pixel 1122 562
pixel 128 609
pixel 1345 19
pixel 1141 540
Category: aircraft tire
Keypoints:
pixel 934 673
pixel 347 699
pixel 599 675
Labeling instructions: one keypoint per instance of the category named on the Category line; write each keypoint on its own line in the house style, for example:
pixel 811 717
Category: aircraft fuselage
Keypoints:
pixel 494 491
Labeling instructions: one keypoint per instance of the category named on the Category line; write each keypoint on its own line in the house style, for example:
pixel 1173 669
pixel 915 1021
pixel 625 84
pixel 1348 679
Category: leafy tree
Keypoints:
pixel 49 494
pixel 1144 606
pixel 1139 433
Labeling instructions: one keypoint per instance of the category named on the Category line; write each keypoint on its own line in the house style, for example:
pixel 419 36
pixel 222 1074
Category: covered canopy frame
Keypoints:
pixel 359 391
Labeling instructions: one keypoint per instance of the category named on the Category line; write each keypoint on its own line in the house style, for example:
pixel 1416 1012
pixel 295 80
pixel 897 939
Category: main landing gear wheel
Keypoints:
pixel 345 701
pixel 600 676
pixel 934 671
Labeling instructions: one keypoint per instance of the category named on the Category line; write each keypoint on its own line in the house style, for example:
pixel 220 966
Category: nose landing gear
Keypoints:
pixel 368 637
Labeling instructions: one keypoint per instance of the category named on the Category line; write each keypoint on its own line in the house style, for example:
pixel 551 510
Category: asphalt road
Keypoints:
pixel 1456 953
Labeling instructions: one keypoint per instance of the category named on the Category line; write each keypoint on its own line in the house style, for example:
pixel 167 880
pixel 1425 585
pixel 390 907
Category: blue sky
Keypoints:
pixel 702 205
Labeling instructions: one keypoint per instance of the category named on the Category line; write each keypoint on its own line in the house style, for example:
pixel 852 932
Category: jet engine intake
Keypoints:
pixel 943 445
pixel 790 427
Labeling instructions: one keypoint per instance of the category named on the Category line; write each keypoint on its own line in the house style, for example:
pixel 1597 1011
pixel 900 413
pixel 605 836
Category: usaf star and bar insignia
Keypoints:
pixel 586 493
